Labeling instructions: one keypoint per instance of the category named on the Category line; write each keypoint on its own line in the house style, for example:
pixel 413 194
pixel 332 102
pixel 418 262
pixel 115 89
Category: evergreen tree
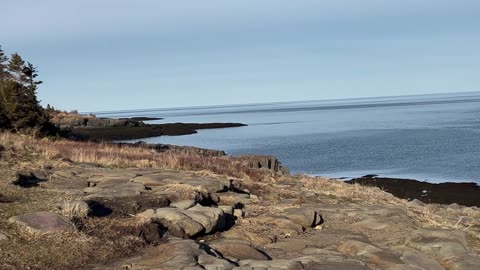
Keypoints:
pixel 19 106
pixel 3 65
pixel 16 66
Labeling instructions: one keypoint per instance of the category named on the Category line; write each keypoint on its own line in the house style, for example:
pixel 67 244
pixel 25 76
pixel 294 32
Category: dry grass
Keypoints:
pixel 74 210
pixel 114 155
pixel 342 190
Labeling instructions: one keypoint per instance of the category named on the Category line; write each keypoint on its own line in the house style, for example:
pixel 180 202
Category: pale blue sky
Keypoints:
pixel 119 54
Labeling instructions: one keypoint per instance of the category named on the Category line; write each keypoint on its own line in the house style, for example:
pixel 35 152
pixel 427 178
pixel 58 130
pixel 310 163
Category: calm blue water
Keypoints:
pixel 428 137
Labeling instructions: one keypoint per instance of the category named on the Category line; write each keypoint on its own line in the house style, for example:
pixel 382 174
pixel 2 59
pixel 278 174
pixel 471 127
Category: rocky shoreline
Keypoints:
pixel 126 132
pixel 58 209
pixel 89 127
pixel 467 194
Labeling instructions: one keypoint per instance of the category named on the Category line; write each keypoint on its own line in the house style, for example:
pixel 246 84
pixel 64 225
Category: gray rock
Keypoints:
pixel 43 222
pixel 177 222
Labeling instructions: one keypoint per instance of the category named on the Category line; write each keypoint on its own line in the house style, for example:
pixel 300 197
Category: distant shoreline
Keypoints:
pixel 466 193
pixel 120 133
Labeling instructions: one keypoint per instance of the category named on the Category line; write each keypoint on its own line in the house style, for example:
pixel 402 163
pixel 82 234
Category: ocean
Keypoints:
pixel 435 138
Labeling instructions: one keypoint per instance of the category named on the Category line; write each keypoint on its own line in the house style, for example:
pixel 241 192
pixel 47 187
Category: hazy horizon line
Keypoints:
pixel 233 105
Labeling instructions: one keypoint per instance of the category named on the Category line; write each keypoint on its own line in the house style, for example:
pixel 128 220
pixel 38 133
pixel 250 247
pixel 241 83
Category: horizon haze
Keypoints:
pixel 161 54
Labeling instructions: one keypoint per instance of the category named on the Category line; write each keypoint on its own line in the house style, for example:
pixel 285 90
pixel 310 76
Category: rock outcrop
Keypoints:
pixel 270 163
pixel 202 221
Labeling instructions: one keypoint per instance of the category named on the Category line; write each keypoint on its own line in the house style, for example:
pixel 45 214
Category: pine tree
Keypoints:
pixel 19 106
pixel 3 65
pixel 15 67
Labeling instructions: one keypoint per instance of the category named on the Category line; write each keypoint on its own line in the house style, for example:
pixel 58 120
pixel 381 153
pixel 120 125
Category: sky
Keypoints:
pixel 121 54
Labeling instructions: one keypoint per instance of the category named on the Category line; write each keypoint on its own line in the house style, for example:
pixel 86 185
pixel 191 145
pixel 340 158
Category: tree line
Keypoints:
pixel 20 110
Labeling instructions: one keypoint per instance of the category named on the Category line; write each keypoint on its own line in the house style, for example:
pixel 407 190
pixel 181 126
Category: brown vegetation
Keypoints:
pixel 114 155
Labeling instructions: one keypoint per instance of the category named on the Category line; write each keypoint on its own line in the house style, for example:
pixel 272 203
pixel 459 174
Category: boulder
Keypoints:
pixel 212 219
pixel 270 163
pixel 187 223
pixel 177 223
pixel 278 225
pixel 306 217
pixel 43 222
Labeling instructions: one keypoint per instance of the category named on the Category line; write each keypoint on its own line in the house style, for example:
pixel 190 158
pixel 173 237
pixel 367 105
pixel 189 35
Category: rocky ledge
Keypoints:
pixel 202 221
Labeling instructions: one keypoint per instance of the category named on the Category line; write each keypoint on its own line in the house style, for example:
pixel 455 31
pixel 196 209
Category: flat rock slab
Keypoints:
pixel 117 191
pixel 239 250
pixel 210 184
pixel 43 222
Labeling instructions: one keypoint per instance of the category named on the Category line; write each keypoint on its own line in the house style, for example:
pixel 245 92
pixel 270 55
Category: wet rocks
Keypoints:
pixel 42 222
